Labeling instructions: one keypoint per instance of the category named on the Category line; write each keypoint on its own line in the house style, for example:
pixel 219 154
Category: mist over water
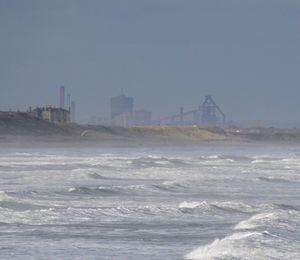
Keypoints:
pixel 205 202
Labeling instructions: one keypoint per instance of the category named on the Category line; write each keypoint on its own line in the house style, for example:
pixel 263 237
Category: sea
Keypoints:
pixel 202 201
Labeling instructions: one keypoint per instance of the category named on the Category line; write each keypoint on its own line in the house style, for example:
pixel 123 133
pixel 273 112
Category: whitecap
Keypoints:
pixel 4 196
pixel 247 246
pixel 194 204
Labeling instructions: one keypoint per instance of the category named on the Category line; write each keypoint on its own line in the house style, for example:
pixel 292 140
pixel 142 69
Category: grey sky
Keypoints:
pixel 164 53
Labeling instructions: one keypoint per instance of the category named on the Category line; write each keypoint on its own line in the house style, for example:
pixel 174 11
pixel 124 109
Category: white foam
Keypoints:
pixel 255 221
pixel 4 196
pixel 235 205
pixel 192 205
pixel 248 246
pixel 278 219
pixel 226 205
pixel 253 239
pixel 212 157
pixel 258 161
pixel 228 247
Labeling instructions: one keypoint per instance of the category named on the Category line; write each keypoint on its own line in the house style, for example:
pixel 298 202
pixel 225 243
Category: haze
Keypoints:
pixel 166 54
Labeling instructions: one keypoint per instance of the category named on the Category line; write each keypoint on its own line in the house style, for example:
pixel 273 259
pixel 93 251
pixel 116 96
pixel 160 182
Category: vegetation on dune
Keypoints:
pixel 23 124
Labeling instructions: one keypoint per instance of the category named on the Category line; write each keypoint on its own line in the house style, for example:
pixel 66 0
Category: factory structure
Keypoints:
pixel 52 114
pixel 57 115
pixel 209 113
pixel 121 110
pixel 123 113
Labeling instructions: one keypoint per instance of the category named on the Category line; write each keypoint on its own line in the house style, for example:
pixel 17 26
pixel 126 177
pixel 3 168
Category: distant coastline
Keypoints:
pixel 21 128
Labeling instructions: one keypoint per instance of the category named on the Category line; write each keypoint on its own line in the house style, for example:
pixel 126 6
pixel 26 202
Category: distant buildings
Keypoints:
pixel 121 105
pixel 52 114
pixel 62 97
pixel 209 114
pixel 70 104
pixel 57 115
pixel 121 108
pixel 123 113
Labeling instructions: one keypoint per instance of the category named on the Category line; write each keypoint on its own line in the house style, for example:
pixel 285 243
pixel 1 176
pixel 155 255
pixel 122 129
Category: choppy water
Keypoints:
pixel 205 202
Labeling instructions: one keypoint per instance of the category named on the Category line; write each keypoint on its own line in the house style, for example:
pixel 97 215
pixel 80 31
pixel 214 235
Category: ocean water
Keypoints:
pixel 198 202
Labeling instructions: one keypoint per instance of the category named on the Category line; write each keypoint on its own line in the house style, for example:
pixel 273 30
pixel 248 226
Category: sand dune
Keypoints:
pixel 21 126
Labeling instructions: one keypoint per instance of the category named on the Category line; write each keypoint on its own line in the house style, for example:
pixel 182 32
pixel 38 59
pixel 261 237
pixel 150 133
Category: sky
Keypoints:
pixel 166 54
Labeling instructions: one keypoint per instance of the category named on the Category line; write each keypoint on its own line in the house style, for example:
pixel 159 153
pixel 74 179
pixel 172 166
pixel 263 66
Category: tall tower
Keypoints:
pixel 69 102
pixel 62 97
pixel 121 108
pixel 121 105
pixel 210 110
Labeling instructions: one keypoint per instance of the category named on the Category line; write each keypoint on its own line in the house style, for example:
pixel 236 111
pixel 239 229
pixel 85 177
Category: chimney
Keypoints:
pixel 62 97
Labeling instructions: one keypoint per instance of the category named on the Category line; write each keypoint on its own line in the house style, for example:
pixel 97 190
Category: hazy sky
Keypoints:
pixel 164 53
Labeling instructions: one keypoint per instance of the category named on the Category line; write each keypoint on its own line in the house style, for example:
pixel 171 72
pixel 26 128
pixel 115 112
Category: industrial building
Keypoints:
pixel 209 113
pixel 121 105
pixel 57 115
pixel 62 97
pixel 70 104
pixel 121 108
pixel 52 114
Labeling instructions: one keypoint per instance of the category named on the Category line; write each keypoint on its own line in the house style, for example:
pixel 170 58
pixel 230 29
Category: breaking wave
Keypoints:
pixel 107 190
pixel 9 202
pixel 275 180
pixel 224 206
pixel 4 196
pixel 170 186
pixel 157 161
pixel 248 246
pixel 277 219
pixel 266 235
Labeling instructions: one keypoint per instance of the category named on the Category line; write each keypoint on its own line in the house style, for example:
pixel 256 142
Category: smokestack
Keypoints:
pixel 69 102
pixel 73 112
pixel 62 97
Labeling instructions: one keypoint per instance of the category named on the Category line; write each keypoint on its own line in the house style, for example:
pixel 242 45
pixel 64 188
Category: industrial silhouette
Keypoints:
pixel 209 113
